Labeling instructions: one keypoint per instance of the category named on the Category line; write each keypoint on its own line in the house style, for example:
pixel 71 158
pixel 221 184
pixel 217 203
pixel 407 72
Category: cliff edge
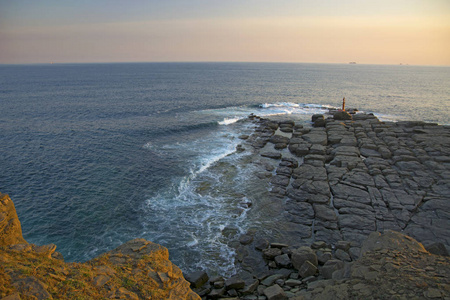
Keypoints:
pixel 138 269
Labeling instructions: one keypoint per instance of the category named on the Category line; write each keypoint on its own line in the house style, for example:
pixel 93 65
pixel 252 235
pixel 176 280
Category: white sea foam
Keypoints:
pixel 228 121
pixel 196 208
pixel 290 108
pixel 211 160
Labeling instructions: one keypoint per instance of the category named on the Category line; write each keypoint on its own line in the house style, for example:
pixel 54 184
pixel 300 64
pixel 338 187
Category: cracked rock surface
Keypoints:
pixel 350 178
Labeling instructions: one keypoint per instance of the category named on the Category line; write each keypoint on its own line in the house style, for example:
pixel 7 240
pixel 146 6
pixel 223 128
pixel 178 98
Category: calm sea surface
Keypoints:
pixel 94 155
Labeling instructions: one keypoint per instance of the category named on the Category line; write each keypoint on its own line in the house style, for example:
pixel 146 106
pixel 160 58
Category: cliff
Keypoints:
pixel 138 269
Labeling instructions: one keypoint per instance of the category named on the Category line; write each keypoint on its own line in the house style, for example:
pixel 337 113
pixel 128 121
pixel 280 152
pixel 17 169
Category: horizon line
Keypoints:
pixel 257 62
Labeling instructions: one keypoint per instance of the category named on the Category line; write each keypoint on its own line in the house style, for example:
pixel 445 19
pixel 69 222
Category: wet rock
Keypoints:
pixel 286 171
pixel 289 162
pixel 286 128
pixel 437 249
pixel 302 254
pixel 303 196
pixel 307 269
pixel 246 239
pixel 318 120
pixel 315 187
pixel 197 279
pixel 275 292
pixel 256 265
pixel 342 115
pixel 319 245
pixel 280 146
pixel 344 245
pixel 234 282
pixel 279 139
pixel 278 245
pixel 316 138
pixel 271 279
pixel 217 293
pixel 330 267
pixel 342 255
pixel 283 260
pixel 299 149
pixel 325 213
pixel 261 244
pixel 351 193
pixel 306 171
pixel 271 253
pixel 280 180
pixel 273 155
pixel 323 257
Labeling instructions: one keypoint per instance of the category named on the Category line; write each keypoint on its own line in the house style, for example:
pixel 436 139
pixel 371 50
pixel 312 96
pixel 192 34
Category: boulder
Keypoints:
pixel 318 120
pixel 197 279
pixel 271 253
pixel 307 269
pixel 271 279
pixel 235 282
pixel 275 292
pixel 437 249
pixel 330 267
pixel 283 260
pixel 245 239
pixel 302 254
pixel 342 115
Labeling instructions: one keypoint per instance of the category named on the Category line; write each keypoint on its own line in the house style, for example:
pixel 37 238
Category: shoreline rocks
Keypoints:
pixel 391 265
pixel 335 184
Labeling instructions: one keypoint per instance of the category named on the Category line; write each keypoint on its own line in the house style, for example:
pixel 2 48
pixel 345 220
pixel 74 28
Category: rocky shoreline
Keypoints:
pixel 352 200
pixel 349 178
pixel 331 186
pixel 138 269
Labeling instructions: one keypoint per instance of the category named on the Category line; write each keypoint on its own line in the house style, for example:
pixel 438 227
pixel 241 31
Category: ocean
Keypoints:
pixel 94 155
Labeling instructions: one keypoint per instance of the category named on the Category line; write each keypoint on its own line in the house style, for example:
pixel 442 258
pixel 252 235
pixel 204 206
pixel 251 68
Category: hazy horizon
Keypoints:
pixel 413 32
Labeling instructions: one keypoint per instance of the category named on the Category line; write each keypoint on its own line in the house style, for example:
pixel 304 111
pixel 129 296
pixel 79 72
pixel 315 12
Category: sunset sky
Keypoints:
pixel 415 32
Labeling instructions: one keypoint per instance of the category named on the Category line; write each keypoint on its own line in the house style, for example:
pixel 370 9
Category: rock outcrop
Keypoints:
pixel 10 229
pixel 138 269
pixel 391 266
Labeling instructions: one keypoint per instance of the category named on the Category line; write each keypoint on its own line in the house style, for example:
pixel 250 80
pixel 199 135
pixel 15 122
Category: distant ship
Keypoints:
pixel 352 62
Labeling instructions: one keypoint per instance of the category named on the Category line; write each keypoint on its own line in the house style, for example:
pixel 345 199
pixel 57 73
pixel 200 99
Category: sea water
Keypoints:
pixel 94 155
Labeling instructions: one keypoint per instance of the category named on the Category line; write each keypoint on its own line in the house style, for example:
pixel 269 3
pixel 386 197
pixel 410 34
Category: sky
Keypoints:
pixel 415 32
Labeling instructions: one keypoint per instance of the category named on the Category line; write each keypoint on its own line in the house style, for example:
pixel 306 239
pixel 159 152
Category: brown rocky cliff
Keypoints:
pixel 10 229
pixel 138 269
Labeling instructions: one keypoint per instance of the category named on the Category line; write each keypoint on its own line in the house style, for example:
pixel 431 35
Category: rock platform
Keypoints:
pixel 348 178
pixel 340 192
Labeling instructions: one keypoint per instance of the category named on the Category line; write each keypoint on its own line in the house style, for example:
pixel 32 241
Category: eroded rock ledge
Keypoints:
pixel 331 186
pixel 138 269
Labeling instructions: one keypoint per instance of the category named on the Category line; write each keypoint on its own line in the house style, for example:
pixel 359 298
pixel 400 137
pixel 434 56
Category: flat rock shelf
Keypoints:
pixel 331 186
